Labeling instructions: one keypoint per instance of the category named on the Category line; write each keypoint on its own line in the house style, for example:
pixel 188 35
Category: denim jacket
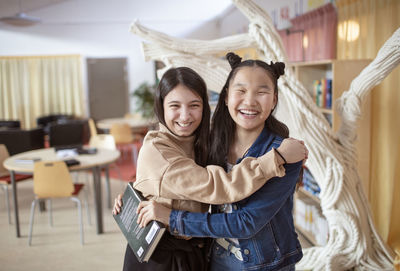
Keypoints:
pixel 263 222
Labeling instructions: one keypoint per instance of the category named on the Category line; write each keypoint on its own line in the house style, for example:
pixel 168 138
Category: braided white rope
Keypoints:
pixel 353 240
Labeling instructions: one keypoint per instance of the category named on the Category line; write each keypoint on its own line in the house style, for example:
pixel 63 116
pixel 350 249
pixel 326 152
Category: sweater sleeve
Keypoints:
pixel 244 222
pixel 181 178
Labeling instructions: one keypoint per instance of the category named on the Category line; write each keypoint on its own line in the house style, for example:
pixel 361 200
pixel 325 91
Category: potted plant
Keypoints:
pixel 144 99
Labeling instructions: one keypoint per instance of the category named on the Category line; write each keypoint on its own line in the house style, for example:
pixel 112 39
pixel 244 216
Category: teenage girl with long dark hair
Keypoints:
pixel 170 168
pixel 256 233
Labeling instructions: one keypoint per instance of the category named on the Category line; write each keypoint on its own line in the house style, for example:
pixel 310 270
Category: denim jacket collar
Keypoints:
pixel 261 145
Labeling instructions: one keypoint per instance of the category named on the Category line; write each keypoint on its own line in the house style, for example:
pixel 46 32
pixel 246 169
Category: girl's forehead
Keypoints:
pixel 251 74
pixel 182 92
pixel 252 69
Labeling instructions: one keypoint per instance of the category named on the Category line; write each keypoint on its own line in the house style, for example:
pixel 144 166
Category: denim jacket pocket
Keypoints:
pixel 267 246
pixel 273 238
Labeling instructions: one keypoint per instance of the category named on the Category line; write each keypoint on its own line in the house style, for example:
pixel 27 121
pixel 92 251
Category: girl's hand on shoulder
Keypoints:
pixel 117 205
pixel 152 210
pixel 293 150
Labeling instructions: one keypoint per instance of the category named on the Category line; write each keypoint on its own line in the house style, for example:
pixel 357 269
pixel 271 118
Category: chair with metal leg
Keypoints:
pixel 106 142
pixel 53 180
pixel 5 178
pixel 124 139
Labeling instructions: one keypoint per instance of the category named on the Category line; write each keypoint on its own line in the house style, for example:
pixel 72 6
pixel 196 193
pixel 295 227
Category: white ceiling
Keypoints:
pixel 175 17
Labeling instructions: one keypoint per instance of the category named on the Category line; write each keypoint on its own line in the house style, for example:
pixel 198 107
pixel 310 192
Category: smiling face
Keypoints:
pixel 183 110
pixel 251 98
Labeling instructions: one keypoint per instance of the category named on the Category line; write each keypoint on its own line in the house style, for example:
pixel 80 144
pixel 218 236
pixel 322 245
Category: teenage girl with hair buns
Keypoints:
pixel 256 233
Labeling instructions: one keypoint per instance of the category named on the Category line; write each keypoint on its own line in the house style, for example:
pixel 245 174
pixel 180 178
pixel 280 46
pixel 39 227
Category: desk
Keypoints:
pixel 94 162
pixel 137 125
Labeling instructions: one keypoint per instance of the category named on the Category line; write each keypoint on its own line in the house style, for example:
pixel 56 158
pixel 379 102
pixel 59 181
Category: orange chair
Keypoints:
pixel 92 127
pixel 5 178
pixel 52 180
pixel 124 139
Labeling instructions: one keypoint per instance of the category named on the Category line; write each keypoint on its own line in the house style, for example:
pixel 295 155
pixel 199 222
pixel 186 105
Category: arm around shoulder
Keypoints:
pixel 186 180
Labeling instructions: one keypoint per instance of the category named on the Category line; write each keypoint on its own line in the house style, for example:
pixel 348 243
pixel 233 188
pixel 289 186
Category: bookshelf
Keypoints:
pixel 341 73
pixel 309 220
pixel 307 194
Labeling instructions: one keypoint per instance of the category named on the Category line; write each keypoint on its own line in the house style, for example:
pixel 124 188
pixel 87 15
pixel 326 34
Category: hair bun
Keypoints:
pixel 233 59
pixel 278 68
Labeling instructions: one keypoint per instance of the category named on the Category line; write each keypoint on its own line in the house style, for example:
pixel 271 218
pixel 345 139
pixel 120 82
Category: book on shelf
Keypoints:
pixel 27 160
pixel 143 241
pixel 328 93
pixel 317 94
pixel 322 91
pixel 309 184
pixel 308 217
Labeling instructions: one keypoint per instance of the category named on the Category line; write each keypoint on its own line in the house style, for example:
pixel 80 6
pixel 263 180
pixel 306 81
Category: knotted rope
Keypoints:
pixel 353 240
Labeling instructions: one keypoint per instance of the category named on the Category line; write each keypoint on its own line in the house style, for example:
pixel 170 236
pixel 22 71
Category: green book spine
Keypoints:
pixel 143 241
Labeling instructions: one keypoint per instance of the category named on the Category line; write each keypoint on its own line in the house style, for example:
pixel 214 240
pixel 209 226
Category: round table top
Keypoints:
pixel 87 161
pixel 106 124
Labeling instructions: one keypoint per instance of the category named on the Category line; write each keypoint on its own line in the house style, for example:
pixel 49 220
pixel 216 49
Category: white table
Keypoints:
pixel 93 162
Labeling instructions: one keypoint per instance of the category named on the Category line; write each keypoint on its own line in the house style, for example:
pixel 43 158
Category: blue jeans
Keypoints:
pixel 222 260
pixel 288 268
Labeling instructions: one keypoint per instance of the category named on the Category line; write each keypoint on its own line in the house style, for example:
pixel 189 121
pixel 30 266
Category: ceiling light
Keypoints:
pixel 20 19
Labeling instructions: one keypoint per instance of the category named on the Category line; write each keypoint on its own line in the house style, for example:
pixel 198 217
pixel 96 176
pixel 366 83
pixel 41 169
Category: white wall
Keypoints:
pixel 110 37
pixel 103 33
pixel 86 40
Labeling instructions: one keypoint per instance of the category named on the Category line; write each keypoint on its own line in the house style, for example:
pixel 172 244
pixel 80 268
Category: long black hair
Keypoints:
pixel 192 80
pixel 223 126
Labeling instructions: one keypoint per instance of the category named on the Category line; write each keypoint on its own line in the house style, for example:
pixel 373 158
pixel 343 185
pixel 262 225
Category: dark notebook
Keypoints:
pixel 72 162
pixel 143 241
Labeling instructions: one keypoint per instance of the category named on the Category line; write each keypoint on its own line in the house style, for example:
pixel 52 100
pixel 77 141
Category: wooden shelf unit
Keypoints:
pixel 306 234
pixel 341 72
pixel 306 196
pixel 304 192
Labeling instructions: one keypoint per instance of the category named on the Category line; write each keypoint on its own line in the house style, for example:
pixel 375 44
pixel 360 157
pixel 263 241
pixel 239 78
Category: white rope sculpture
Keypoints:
pixel 353 240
